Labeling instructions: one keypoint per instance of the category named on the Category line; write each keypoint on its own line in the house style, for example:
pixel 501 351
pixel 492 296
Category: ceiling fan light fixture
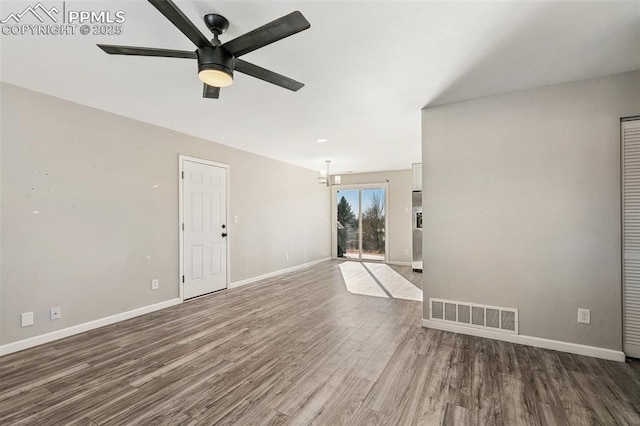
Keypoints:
pixel 215 66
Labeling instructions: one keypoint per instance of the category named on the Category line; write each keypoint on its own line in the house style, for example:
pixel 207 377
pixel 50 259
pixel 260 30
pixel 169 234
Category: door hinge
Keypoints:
pixel 183 278
pixel 183 226
pixel 182 175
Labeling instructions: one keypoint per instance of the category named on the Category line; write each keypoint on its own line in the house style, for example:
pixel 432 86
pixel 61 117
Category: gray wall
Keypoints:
pixel 103 229
pixel 399 202
pixel 522 205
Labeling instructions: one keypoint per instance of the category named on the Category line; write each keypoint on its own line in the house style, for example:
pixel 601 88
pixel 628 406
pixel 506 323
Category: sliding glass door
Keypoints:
pixel 348 223
pixel 361 223
pixel 373 227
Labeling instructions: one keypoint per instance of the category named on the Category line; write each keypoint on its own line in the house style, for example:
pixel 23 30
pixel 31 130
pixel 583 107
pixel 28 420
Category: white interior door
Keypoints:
pixel 631 236
pixel 204 214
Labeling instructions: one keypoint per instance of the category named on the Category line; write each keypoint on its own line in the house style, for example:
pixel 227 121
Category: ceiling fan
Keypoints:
pixel 218 61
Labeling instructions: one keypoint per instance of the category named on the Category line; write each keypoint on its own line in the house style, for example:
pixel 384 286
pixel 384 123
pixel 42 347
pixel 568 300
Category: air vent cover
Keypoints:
pixel 494 318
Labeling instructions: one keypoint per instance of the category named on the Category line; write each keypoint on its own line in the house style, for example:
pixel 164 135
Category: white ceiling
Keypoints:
pixel 369 67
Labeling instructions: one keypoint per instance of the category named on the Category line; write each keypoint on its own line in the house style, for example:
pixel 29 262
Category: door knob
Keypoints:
pixel 224 234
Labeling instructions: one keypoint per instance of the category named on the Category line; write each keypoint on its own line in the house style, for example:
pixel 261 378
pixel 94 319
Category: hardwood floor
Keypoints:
pixel 298 349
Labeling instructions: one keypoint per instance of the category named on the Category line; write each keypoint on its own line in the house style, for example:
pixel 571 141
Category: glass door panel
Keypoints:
pixel 348 223
pixel 373 224
pixel 361 223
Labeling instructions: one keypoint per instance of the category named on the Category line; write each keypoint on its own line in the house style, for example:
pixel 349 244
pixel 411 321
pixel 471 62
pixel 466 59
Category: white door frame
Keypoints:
pixel 227 167
pixel 334 215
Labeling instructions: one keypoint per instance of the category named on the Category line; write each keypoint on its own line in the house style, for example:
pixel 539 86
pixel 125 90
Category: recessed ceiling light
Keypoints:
pixel 322 140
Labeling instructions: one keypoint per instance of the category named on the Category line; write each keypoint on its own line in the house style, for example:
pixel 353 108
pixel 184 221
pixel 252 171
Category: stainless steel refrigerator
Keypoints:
pixel 416 232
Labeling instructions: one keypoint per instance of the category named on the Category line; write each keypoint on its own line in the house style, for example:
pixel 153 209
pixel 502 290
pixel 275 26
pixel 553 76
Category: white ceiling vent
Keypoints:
pixel 495 318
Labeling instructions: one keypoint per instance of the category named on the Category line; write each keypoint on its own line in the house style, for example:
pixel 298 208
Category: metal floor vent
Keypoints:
pixel 494 318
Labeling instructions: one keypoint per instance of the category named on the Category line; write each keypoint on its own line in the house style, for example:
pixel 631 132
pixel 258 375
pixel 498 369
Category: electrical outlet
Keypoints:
pixel 155 284
pixel 406 252
pixel 26 319
pixel 56 313
pixel 584 316
pixel 286 256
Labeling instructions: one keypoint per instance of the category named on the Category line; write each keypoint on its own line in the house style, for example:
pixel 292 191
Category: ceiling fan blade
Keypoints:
pixel 180 20
pixel 210 91
pixel 146 51
pixel 266 75
pixel 268 33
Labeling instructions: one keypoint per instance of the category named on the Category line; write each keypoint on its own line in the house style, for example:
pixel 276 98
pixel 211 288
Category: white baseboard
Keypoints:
pixel 276 273
pixel 81 328
pixel 538 342
pixel 399 263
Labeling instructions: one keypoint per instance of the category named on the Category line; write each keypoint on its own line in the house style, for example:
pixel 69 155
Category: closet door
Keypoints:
pixel 631 236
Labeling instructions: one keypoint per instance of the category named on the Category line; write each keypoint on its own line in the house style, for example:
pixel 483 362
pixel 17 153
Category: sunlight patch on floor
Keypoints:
pixel 359 279
pixel 397 285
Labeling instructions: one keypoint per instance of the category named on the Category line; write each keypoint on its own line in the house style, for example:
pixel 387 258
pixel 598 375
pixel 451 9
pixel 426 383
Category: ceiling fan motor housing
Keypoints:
pixel 215 58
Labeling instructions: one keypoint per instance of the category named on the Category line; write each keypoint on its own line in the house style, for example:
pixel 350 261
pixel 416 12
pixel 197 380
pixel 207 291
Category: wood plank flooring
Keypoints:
pixel 299 349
